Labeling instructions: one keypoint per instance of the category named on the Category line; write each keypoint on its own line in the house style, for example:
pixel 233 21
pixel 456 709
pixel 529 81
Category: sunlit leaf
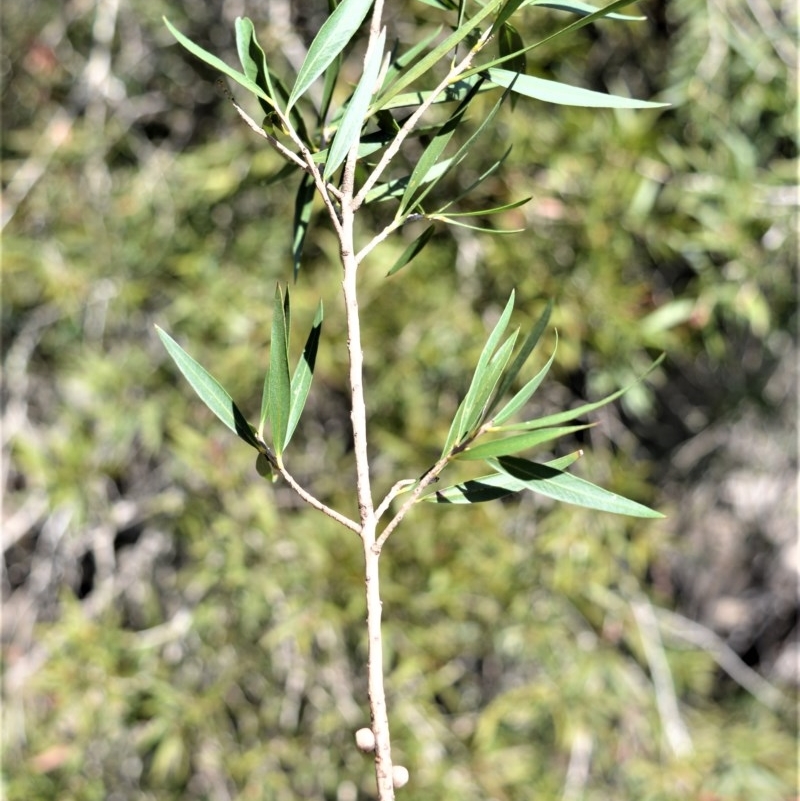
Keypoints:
pixel 571 414
pixel 423 66
pixel 524 352
pixel 217 63
pixel 553 483
pixel 455 92
pixel 462 152
pixel 518 443
pixel 209 390
pixel 450 220
pixel 563 94
pixel 353 121
pixel 582 9
pixel 601 13
pixel 433 152
pixel 491 487
pixel 466 409
pixel 334 35
pixel 489 212
pixel 402 61
pixel 253 59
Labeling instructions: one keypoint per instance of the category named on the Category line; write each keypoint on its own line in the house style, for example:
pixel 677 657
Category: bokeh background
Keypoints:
pixel 174 627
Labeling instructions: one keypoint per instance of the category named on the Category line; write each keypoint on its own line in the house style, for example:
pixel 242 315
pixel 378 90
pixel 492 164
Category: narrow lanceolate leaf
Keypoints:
pixel 303 207
pixel 435 56
pixel 489 212
pixel 518 443
pixel 601 13
pixel 253 59
pixel 451 163
pixel 489 171
pixel 209 390
pixel 332 38
pixel 402 61
pixel 459 425
pixel 328 86
pixel 412 250
pixel 304 372
pixel 506 13
pixel 509 43
pixel 279 386
pixel 491 487
pixel 523 396
pixel 353 121
pixel 553 483
pixel 481 390
pixel 522 356
pixel 433 152
pixel 581 9
pixel 453 93
pixel 571 414
pixel 563 94
pixel 217 63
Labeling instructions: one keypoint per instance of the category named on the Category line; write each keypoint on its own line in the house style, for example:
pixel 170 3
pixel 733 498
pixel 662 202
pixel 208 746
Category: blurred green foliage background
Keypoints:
pixel 176 628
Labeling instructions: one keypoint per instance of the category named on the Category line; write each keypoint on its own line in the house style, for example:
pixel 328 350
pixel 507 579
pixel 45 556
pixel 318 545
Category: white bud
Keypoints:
pixel 399 776
pixel 365 740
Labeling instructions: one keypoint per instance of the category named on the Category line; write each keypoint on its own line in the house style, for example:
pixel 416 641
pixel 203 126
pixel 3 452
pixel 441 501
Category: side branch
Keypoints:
pixel 316 503
pixel 411 123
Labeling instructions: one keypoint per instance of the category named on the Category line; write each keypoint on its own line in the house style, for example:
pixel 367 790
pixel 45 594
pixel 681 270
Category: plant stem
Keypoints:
pixel 379 716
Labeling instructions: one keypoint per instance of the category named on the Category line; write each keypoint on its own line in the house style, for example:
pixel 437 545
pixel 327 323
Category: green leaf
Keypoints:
pixel 303 207
pixel 581 9
pixel 553 483
pixel 465 415
pixel 397 186
pixel 424 65
pixel 412 250
pixel 506 13
pixel 462 152
pixel 491 487
pixel 562 94
pixel 209 390
pixel 264 467
pixel 571 28
pixel 438 5
pixel 489 212
pixel 353 120
pixel 520 442
pixel 509 43
pixel 523 396
pixel 475 413
pixel 304 372
pixel 402 62
pixel 449 220
pixel 217 63
pixel 455 92
pixel 334 35
pixel 328 87
pixel 279 386
pixel 519 361
pixel 253 59
pixel 434 151
pixel 571 414
pixel 477 182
